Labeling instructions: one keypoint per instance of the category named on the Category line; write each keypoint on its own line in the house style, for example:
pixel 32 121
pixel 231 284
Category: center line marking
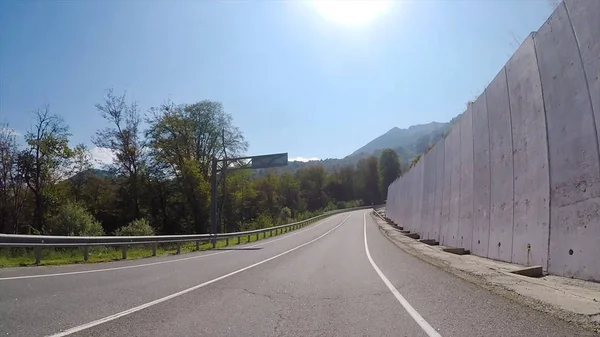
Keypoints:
pixel 429 330
pixel 185 291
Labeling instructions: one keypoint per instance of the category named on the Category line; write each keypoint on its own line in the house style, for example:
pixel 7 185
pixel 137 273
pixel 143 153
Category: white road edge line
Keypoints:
pixel 428 329
pixel 185 291
pixel 161 262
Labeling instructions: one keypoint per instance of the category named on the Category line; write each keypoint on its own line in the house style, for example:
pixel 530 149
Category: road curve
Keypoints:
pixel 318 281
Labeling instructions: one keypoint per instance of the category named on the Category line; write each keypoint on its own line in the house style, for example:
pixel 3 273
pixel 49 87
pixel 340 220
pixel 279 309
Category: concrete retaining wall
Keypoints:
pixel 517 178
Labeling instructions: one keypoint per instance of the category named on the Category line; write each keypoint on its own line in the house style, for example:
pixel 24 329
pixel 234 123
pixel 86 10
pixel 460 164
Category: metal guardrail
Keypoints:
pixel 41 241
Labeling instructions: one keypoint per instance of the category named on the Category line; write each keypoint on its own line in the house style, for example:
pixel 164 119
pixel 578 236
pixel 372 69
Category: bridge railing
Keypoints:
pixel 49 241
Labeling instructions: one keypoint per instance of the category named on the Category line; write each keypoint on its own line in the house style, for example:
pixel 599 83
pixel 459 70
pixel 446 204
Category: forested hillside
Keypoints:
pixel 159 181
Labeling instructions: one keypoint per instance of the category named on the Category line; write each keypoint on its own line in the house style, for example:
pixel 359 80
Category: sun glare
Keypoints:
pixel 351 12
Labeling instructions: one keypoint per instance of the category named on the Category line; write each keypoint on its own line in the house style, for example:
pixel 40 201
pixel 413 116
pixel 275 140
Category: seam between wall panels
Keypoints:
pixel 512 154
pixel 473 188
pixel 537 62
pixel 459 175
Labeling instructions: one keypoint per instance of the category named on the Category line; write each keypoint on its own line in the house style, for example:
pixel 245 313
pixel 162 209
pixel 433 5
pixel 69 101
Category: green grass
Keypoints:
pixel 17 257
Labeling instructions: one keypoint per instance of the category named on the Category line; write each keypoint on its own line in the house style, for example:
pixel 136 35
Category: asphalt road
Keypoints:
pixel 317 281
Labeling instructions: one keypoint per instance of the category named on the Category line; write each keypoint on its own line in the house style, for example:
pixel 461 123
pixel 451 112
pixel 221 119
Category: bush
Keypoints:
pixel 138 227
pixel 262 221
pixel 285 215
pixel 73 220
pixel 330 206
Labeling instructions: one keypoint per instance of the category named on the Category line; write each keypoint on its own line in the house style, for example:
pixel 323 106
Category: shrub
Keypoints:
pixel 330 206
pixel 285 215
pixel 138 227
pixel 73 220
pixel 262 221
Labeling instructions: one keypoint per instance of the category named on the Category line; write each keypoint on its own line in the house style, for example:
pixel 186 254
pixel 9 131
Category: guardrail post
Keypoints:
pixel 257 236
pixel 86 253
pixel 214 242
pixel 238 240
pixel 248 239
pixel 226 242
pixel 154 249
pixel 197 245
pixel 178 247
pixel 38 255
pixel 124 252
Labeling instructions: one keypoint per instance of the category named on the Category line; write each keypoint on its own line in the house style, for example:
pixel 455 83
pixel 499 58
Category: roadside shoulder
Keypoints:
pixel 572 300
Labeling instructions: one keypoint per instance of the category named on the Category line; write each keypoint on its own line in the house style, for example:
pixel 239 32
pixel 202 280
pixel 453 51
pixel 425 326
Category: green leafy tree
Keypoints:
pixel 183 139
pixel 389 168
pixel 289 193
pixel 44 161
pixel 368 180
pixel 267 196
pixel 312 185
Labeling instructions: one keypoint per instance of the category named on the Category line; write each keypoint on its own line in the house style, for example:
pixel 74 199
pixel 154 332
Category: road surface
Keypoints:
pixel 321 280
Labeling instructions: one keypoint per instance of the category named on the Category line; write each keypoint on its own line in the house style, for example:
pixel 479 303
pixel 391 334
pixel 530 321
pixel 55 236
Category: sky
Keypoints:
pixel 296 77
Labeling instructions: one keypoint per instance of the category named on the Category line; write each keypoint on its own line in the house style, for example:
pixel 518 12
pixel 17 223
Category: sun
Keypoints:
pixel 351 12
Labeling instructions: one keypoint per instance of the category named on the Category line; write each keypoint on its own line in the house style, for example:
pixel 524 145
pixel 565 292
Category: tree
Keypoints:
pixel 81 163
pixel 12 196
pixel 289 193
pixel 123 138
pixel 389 168
pixel 183 139
pixel 367 172
pixel 312 186
pixel 45 161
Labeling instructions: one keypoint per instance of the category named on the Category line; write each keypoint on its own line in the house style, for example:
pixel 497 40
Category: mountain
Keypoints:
pixel 92 172
pixel 414 140
pixel 408 143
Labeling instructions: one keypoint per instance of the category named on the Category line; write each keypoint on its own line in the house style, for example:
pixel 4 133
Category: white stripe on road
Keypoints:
pixel 166 298
pixel 429 330
pixel 158 263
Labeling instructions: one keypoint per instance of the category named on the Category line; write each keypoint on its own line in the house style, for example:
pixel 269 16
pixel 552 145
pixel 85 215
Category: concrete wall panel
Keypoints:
pixel 413 198
pixel 419 195
pixel 452 236
pixel 446 192
pixel 427 182
pixel 431 166
pixel 586 25
pixel 481 178
pixel 573 150
pixel 501 169
pixel 439 189
pixel 530 157
pixel 465 228
pixel 408 201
